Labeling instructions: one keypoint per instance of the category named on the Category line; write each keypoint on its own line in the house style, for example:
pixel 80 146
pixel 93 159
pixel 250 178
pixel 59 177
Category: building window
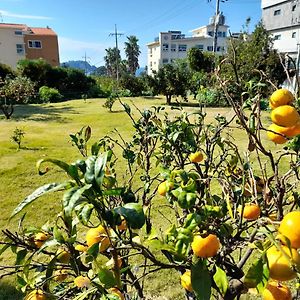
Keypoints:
pixel 165 47
pixel 220 33
pixel 18 32
pixel 220 48
pixel 294 35
pixel 201 47
pixel 165 60
pixel 277 37
pixel 224 34
pixel 182 48
pixel 294 7
pixel 34 44
pixel 210 48
pixel 277 12
pixel 210 33
pixel 173 47
pixel 20 48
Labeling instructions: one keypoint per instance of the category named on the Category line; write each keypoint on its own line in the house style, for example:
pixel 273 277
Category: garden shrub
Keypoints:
pixel 47 94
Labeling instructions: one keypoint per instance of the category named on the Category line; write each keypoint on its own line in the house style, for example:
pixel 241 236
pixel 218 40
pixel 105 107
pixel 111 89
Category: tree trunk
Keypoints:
pixel 7 110
pixel 168 97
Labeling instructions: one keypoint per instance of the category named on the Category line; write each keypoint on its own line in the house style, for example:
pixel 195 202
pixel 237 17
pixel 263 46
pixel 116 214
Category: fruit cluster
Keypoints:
pixel 284 259
pixel 285 117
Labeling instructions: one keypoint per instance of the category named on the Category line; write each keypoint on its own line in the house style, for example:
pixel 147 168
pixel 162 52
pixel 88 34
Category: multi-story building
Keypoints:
pixel 172 45
pixel 282 20
pixel 18 41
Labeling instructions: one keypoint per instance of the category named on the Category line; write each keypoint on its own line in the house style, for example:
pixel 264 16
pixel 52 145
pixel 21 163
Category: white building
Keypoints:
pixel 282 20
pixel 172 45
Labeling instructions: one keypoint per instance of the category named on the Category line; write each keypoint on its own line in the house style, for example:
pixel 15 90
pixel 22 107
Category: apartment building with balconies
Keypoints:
pixel 19 41
pixel 282 20
pixel 172 45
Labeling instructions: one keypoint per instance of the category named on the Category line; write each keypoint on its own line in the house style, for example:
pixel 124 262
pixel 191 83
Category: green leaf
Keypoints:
pixel 93 250
pixel 21 282
pixel 133 213
pixel 100 164
pixel 56 162
pixel 85 213
pixel 58 235
pixel 4 248
pixel 257 275
pixel 221 280
pixel 50 187
pixel 21 256
pixel 107 278
pixel 89 175
pixel 201 281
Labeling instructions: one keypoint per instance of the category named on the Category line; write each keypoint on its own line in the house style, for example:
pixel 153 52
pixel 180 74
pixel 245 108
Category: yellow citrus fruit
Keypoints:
pixel 60 275
pixel 82 281
pixel 281 268
pixel 63 256
pixel 186 280
pixel 251 212
pixel 164 187
pixel 40 238
pixel 205 247
pixel 116 292
pixel 98 235
pixel 196 157
pixel 281 97
pixel 276 291
pixel 36 295
pixel 290 228
pixel 81 248
pixel 275 134
pixel 285 116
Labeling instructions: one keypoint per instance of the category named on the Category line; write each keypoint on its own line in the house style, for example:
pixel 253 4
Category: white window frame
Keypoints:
pixel 33 44
pixel 277 37
pixel 277 12
pixel 210 48
pixel 173 47
pixel 182 48
pixel 165 47
pixel 294 34
pixel 165 61
pixel 20 49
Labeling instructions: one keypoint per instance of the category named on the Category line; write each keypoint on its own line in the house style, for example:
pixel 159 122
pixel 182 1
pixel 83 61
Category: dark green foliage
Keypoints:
pixel 17 136
pixel 132 51
pixel 132 83
pixel 6 70
pixel 195 59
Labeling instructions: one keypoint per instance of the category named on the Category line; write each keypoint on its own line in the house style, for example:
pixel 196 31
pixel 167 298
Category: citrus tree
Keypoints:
pixel 230 212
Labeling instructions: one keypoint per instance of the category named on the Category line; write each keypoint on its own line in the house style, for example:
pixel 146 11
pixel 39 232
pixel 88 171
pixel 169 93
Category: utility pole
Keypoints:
pixel 85 63
pixel 116 34
pixel 217 19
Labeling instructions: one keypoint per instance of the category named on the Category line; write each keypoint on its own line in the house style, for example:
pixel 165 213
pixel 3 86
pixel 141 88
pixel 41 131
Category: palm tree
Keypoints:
pixel 132 51
pixel 112 60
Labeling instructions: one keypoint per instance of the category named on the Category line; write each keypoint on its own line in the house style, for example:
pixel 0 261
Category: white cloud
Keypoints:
pixel 8 14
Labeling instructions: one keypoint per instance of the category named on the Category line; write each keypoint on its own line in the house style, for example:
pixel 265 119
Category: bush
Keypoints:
pixel 47 94
pixel 211 97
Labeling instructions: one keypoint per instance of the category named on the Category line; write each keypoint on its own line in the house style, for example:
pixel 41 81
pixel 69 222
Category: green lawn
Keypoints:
pixel 47 128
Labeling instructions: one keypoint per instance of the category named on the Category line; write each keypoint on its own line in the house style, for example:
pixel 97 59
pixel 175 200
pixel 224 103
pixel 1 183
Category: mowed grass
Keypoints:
pixel 47 128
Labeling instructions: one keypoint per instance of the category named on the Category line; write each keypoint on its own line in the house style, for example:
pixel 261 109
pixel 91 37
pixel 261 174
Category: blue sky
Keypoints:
pixel 84 26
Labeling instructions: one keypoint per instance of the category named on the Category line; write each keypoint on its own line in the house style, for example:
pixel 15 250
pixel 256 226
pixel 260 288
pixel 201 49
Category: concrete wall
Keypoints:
pixel 8 47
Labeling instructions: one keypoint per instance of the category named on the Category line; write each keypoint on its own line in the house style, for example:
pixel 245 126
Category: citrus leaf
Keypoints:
pixel 257 275
pixel 107 278
pixel 133 213
pixel 50 187
pixel 201 281
pixel 221 280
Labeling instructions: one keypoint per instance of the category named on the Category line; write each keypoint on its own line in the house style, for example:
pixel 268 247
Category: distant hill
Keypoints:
pixel 80 64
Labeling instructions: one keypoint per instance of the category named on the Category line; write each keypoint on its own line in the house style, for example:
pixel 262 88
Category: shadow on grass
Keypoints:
pixel 41 113
pixel 9 292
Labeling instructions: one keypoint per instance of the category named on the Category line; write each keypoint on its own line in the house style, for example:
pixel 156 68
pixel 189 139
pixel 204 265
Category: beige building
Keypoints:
pixel 19 41
pixel 172 45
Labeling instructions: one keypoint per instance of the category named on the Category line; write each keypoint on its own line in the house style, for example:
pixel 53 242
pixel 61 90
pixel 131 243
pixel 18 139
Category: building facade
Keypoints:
pixel 18 41
pixel 173 45
pixel 282 20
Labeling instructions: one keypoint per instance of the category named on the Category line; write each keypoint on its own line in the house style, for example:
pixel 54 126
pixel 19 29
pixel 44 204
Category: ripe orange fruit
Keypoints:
pixel 285 116
pixel 251 212
pixel 280 267
pixel 186 280
pixel 281 97
pixel 290 227
pixel 164 187
pixel 82 281
pixel 276 291
pixel 36 295
pixel 40 238
pixel 273 129
pixel 196 157
pixel 98 235
pixel 205 247
pixel 60 275
pixel 116 292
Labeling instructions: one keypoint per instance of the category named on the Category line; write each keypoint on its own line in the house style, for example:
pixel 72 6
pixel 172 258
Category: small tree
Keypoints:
pixel 12 91
pixel 17 136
